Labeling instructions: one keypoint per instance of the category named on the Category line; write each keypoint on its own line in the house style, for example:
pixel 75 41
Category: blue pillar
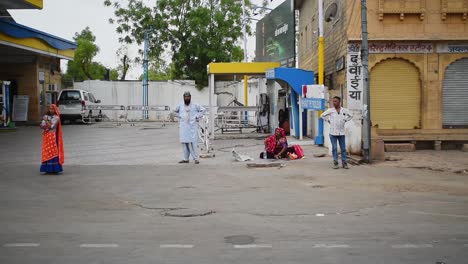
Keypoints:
pixel 319 139
pixel 295 113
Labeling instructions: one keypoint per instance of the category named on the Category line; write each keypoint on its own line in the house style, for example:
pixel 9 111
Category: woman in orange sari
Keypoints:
pixel 52 142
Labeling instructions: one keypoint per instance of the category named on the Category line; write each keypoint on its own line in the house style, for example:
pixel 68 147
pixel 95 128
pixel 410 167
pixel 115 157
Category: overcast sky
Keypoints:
pixel 65 17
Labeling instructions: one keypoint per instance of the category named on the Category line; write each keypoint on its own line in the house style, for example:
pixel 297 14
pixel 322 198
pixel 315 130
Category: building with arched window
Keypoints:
pixel 418 65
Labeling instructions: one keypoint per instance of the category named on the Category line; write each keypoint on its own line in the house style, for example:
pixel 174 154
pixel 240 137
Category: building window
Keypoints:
pixel 402 8
pixel 455 7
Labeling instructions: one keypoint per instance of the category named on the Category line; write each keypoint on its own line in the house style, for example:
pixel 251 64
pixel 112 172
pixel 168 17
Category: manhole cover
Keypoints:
pixel 188 213
pixel 240 240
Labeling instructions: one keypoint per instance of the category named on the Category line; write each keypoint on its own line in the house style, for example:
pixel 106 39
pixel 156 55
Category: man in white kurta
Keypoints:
pixel 189 114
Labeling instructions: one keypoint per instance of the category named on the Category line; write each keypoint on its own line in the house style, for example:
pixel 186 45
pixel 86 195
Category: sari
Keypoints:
pixel 274 145
pixel 52 145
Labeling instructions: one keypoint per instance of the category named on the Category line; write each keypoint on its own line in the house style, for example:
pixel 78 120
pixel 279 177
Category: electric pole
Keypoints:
pixel 366 114
pixel 145 75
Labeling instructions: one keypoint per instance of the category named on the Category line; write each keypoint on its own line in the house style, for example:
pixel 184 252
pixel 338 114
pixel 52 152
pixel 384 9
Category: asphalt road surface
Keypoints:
pixel 124 199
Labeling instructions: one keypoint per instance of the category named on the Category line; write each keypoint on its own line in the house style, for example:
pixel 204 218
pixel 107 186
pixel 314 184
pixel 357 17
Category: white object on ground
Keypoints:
pixel 21 245
pixel 331 246
pixel 239 157
pixel 253 246
pixel 99 246
pixel 175 246
pixel 413 246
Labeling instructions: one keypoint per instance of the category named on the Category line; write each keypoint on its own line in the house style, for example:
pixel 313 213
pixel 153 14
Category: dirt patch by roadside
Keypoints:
pixel 424 188
pixel 452 161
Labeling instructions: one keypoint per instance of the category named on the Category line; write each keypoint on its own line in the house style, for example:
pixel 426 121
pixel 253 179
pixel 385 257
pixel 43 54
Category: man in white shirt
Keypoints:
pixel 337 118
pixel 189 113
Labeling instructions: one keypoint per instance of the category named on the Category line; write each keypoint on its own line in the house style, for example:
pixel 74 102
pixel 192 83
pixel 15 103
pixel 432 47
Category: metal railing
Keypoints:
pixel 119 114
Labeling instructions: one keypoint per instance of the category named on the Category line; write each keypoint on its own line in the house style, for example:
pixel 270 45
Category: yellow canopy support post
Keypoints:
pixel 246 90
pixel 232 71
pixel 320 140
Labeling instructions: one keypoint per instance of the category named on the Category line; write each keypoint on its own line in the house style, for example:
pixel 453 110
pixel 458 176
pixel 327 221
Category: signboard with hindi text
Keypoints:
pixel 452 48
pixel 354 77
pixel 313 104
pixel 314 97
pixel 395 47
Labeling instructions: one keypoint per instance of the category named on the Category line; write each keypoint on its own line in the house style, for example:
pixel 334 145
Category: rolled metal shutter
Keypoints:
pixel 455 95
pixel 395 95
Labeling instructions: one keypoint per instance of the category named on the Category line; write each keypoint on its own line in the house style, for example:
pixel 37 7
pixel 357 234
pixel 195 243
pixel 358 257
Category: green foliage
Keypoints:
pixel 158 71
pixel 83 67
pixel 194 32
pixel 114 75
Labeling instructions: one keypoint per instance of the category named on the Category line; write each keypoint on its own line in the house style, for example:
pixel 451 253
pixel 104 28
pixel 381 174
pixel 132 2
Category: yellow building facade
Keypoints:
pixel 418 63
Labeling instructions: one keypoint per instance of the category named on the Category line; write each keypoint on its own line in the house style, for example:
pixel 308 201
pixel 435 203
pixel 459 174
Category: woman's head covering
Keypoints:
pixel 59 135
pixel 56 109
pixel 282 132
pixel 271 141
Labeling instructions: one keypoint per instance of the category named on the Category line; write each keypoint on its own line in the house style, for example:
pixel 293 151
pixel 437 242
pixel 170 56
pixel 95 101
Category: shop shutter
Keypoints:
pixel 455 95
pixel 395 95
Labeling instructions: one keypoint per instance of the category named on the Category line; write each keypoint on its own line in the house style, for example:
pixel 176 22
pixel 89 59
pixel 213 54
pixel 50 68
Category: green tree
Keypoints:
pixel 193 32
pixel 83 67
pixel 114 75
pixel 158 71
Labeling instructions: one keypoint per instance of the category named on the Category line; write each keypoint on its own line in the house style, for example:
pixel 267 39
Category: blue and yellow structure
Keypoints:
pixel 30 59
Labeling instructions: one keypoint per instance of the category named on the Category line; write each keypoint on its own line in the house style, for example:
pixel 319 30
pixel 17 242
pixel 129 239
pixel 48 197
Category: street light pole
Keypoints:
pixel 319 139
pixel 244 29
pixel 246 80
pixel 145 76
pixel 366 129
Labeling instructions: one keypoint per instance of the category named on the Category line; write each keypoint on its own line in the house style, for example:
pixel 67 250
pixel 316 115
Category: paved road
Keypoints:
pixel 123 204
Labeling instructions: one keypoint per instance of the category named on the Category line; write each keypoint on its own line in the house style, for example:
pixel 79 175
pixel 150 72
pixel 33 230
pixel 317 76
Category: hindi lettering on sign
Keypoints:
pixel 355 70
pixel 355 82
pixel 394 47
pixel 356 95
pixel 354 78
pixel 313 103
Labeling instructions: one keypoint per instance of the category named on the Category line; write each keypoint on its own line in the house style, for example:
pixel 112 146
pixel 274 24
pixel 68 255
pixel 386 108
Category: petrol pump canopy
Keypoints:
pixel 21 4
pixel 19 36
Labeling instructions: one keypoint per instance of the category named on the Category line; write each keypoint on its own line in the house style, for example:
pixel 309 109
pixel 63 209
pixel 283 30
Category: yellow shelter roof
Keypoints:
pixel 241 68
pixel 227 71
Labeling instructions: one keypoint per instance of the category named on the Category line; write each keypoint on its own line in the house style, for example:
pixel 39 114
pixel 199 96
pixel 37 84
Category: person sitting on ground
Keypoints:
pixel 276 146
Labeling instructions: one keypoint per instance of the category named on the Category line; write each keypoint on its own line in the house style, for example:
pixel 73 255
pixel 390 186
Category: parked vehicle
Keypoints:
pixel 72 104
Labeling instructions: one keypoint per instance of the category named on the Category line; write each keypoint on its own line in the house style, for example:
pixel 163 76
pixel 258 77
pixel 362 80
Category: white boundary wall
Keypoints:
pixel 131 93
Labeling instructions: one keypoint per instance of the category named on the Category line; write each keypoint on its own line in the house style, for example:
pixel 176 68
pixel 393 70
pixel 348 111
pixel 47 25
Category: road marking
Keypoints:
pixel 175 246
pixel 451 215
pixel 331 246
pixel 99 246
pixel 319 214
pixel 21 245
pixel 413 246
pixel 253 246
